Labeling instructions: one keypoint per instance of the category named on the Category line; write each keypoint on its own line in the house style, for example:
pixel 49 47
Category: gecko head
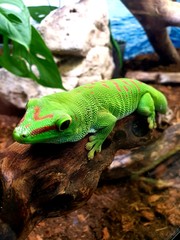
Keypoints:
pixel 43 122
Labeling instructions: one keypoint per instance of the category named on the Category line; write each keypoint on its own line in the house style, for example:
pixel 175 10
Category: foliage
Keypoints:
pixel 38 13
pixel 15 24
pixel 27 55
pixel 116 47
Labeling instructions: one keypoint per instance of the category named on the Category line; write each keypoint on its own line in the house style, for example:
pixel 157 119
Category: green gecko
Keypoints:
pixel 91 108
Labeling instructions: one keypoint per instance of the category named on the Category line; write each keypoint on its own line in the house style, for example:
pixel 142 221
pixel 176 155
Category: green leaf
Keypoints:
pixel 37 63
pixel 14 21
pixel 40 12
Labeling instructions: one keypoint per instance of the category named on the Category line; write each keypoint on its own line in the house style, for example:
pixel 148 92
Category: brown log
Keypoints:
pixel 46 180
pixel 145 158
pixel 155 16
pixel 157 77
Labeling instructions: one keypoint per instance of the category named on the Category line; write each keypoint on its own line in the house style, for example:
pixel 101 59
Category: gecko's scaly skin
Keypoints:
pixel 91 108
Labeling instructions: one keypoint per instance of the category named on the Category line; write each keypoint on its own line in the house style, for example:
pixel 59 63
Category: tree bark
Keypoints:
pixel 155 16
pixel 47 180
pixel 155 77
pixel 145 158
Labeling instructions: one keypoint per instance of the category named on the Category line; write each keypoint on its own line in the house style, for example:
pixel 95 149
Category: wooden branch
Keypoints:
pixel 46 180
pixel 170 12
pixel 157 77
pixel 145 158
pixel 154 16
pixel 166 10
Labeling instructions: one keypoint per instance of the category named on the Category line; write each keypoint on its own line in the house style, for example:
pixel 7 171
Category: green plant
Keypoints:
pixel 38 13
pixel 27 55
pixel 116 47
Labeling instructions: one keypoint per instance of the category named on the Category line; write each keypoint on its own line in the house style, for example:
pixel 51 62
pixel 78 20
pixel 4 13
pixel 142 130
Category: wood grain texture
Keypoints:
pixel 46 180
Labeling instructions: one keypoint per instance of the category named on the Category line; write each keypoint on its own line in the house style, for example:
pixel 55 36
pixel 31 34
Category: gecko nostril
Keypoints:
pixel 19 137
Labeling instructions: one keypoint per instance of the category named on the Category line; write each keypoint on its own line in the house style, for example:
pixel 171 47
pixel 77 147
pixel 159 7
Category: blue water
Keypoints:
pixel 124 26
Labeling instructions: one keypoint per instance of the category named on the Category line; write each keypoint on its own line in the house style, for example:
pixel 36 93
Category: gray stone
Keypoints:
pixel 75 29
pixel 79 37
pixel 17 91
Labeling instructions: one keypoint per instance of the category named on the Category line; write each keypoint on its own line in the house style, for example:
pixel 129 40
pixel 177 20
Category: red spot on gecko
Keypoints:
pixel 137 86
pixel 124 81
pixel 88 86
pixel 37 112
pixel 76 118
pixel 126 88
pixel 43 129
pixel 105 85
pixel 117 86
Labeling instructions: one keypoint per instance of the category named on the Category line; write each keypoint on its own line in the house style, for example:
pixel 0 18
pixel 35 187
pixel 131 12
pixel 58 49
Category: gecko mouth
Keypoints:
pixel 23 137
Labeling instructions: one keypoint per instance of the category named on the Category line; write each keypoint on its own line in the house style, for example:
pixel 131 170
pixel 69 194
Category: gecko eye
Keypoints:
pixel 63 123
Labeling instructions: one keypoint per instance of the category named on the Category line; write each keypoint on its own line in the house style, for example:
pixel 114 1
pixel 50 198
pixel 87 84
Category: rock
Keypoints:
pixel 16 91
pixel 75 29
pixel 79 37
pixel 89 69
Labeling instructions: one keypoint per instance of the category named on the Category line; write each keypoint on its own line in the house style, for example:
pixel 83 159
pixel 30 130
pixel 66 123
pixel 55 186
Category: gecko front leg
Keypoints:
pixel 104 124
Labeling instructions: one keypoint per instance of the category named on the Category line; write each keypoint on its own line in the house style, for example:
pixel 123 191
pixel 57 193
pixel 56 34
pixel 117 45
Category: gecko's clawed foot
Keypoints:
pixel 94 145
pixel 152 121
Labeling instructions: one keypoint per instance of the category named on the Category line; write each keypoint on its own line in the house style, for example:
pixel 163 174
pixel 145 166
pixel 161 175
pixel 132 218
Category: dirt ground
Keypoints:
pixel 126 209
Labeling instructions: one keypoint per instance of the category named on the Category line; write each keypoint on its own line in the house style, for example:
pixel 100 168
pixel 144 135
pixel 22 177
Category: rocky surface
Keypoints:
pixel 16 91
pixel 79 37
